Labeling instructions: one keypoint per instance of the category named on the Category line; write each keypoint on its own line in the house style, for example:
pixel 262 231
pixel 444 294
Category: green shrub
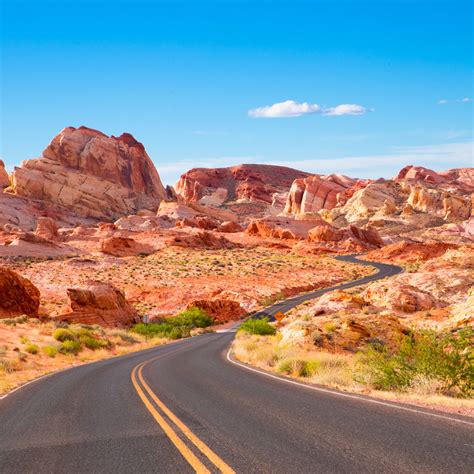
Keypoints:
pixel 260 327
pixel 300 367
pixel 191 318
pixel 175 327
pixel 92 343
pixel 50 351
pixel 125 337
pixel 70 347
pixel 63 334
pixel 24 340
pixel 439 356
pixel 32 349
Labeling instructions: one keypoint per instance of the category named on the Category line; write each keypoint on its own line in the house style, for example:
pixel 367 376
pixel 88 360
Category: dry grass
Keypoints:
pixel 335 371
pixel 20 364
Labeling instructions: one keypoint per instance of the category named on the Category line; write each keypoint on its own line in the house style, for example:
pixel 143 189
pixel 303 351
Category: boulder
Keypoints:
pixel 92 175
pixel 99 303
pixel 47 228
pixel 18 295
pixel 124 247
pixel 229 227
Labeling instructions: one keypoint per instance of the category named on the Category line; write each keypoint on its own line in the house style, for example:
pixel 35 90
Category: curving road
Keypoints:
pixel 186 407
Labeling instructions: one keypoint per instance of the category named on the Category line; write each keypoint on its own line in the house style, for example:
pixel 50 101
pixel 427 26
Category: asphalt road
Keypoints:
pixel 120 416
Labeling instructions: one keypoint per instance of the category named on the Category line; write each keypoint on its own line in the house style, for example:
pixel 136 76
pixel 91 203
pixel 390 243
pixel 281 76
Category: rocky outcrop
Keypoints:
pixel 200 240
pixel 219 309
pixel 47 228
pixel 363 237
pixel 91 174
pixel 4 178
pixel 18 295
pixel 313 193
pixel 407 251
pixel 282 227
pixel 216 186
pixel 461 179
pixel 124 247
pixel 99 303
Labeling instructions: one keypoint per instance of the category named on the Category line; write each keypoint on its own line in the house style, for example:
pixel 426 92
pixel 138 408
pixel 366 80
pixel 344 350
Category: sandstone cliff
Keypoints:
pixel 91 175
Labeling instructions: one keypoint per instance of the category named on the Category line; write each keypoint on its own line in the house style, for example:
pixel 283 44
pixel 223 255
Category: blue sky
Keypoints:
pixel 183 78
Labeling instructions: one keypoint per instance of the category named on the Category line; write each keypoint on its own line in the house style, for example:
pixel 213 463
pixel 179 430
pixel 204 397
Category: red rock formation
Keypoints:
pixel 221 310
pixel 4 178
pixel 18 295
pixel 124 247
pixel 361 238
pixel 200 240
pixel 252 182
pixel 229 227
pixel 92 174
pixel 411 251
pixel 282 227
pixel 99 303
pixel 311 194
pixel 47 228
pixel 460 178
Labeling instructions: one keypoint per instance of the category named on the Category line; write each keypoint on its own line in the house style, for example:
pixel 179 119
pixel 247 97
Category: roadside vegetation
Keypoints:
pixel 426 367
pixel 176 327
pixel 30 347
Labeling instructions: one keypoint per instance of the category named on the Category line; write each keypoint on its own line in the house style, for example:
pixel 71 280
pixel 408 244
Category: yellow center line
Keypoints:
pixel 183 449
pixel 197 465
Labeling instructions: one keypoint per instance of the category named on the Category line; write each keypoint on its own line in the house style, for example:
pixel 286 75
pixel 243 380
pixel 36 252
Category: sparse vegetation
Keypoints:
pixel 260 327
pixel 175 327
pixel 32 348
pixel 445 358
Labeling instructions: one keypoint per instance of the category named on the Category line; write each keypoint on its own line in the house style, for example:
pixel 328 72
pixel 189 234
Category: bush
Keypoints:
pixel 177 326
pixel 92 343
pixel 70 347
pixel 63 334
pixel 299 367
pixel 192 318
pixel 50 351
pixel 260 327
pixel 444 357
pixel 125 337
pixel 32 349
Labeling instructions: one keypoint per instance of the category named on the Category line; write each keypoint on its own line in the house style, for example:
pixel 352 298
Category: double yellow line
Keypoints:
pixel 141 387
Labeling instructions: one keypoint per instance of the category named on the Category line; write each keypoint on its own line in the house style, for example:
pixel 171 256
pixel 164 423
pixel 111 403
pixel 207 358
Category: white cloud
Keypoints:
pixel 346 109
pixel 463 100
pixel 290 108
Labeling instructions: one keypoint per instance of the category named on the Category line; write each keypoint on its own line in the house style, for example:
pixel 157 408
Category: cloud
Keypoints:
pixel 463 100
pixel 346 109
pixel 290 108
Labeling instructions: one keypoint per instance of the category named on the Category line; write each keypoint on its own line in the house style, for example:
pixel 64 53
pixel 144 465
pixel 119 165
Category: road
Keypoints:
pixel 186 407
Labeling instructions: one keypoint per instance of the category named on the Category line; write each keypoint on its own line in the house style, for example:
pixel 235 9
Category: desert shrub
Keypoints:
pixel 32 349
pixel 93 343
pixel 438 356
pixel 14 321
pixel 125 337
pixel 192 318
pixel 299 367
pixel 50 351
pixel 260 327
pixel 330 326
pixel 63 334
pixel 175 327
pixel 6 366
pixel 70 347
pixel 24 340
